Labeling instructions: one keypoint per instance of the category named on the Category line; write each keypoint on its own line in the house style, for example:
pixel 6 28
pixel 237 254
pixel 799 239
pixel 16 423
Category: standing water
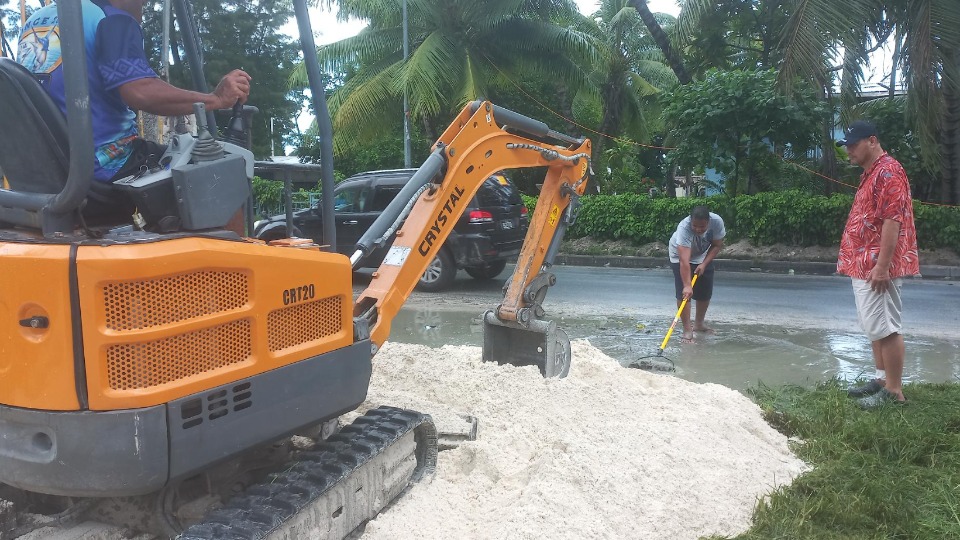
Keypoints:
pixel 737 356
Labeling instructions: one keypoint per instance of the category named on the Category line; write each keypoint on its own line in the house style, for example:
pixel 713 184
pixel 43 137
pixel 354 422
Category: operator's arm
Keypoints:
pixel 685 275
pixel 158 97
pixel 879 276
pixel 123 67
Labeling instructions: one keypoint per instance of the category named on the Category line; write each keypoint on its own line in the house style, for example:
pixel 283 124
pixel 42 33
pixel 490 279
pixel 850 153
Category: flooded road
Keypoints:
pixel 737 356
pixel 626 313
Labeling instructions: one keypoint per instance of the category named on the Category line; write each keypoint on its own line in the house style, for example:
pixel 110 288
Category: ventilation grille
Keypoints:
pixel 135 305
pixel 216 405
pixel 144 365
pixel 303 323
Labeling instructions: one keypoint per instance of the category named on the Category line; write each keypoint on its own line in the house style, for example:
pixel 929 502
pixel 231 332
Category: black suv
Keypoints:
pixel 489 233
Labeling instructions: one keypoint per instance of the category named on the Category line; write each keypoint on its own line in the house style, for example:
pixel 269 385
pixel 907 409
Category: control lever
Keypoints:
pixel 235 132
pixel 206 148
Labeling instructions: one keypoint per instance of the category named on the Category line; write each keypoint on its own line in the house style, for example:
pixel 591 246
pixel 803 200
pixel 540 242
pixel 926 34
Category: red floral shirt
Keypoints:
pixel 884 193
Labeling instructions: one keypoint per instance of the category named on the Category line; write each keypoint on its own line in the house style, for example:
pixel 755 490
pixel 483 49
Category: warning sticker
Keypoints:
pixel 554 215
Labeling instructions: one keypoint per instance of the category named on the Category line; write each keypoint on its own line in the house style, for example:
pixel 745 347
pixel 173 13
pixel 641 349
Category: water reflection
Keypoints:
pixel 738 356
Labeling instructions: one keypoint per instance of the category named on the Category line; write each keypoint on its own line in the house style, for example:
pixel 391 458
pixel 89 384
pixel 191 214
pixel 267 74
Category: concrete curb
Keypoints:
pixel 741 265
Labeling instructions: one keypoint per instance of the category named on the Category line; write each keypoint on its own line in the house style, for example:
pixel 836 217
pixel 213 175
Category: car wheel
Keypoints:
pixel 486 271
pixel 439 273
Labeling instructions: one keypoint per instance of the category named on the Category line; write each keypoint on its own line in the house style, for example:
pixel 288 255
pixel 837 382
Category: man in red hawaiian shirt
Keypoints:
pixel 878 248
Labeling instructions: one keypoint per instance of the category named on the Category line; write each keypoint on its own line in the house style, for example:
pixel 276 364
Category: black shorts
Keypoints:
pixel 145 156
pixel 110 204
pixel 703 289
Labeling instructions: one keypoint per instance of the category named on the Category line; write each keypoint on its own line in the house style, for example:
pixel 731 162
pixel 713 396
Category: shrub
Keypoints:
pixel 785 217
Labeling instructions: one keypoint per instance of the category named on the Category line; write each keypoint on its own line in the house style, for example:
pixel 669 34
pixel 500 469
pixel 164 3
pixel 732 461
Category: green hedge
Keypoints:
pixel 786 217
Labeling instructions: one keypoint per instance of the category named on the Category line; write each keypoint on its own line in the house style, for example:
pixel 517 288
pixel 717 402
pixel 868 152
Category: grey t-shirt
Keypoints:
pixel 699 245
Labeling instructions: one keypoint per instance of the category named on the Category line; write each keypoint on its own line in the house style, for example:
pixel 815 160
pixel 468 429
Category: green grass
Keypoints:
pixel 890 473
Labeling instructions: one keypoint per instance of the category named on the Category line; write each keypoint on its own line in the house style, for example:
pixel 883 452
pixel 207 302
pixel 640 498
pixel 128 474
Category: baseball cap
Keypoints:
pixel 858 130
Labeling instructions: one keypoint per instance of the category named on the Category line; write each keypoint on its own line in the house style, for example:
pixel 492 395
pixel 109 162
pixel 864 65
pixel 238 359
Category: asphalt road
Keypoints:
pixel 931 307
pixel 774 328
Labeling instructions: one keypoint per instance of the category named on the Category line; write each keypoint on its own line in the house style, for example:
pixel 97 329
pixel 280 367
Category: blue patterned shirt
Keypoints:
pixel 115 56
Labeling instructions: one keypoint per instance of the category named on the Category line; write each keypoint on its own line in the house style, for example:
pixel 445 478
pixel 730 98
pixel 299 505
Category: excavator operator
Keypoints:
pixel 121 81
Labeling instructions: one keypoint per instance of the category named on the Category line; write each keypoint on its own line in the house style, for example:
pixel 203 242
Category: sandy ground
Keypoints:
pixel 608 452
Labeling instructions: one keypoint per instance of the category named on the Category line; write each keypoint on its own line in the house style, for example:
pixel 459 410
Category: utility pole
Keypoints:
pixel 406 103
pixel 273 152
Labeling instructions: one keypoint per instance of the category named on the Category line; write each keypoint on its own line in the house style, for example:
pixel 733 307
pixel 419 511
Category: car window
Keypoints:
pixel 383 196
pixel 497 191
pixel 350 199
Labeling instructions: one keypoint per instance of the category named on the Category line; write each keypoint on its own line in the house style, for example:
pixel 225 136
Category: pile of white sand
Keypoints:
pixel 607 452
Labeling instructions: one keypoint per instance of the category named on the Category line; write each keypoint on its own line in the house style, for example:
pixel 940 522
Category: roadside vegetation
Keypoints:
pixel 785 217
pixel 887 473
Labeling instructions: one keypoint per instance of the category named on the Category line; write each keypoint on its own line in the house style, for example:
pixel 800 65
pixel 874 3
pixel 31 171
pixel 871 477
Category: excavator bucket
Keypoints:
pixel 538 343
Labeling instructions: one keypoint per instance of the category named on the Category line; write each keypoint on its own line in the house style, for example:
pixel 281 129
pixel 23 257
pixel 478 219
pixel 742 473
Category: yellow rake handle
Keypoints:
pixel 677 316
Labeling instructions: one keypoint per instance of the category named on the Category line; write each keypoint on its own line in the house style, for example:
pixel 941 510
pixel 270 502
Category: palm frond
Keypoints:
pixel 370 10
pixel 474 83
pixel 688 22
pixel 432 73
pixel 657 74
pixel 924 101
pixel 945 20
pixel 525 35
pixel 640 85
pixel 491 13
pixel 624 18
pixel 369 43
pixel 360 107
pixel 816 33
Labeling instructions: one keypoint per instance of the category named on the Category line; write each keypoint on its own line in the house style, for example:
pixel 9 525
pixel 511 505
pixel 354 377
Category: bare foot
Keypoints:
pixel 703 328
pixel 687 337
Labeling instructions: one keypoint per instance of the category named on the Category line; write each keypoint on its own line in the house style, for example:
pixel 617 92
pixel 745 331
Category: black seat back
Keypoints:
pixel 34 150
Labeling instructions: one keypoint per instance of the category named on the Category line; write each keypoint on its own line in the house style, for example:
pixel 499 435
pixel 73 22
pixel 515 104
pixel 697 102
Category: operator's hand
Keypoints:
pixel 700 269
pixel 879 279
pixel 233 86
pixel 687 291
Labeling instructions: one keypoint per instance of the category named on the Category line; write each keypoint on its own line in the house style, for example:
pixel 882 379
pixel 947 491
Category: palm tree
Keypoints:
pixel 663 42
pixel 818 34
pixel 630 72
pixel 950 134
pixel 821 30
pixel 460 50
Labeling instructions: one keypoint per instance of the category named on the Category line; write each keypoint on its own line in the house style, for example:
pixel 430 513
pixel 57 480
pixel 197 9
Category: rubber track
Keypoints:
pixel 263 508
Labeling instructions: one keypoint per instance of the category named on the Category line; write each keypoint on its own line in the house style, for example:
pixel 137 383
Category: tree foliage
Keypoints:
pixel 629 74
pixel 459 51
pixel 740 124
pixel 783 217
pixel 926 34
pixel 10 25
pixel 734 34
pixel 243 34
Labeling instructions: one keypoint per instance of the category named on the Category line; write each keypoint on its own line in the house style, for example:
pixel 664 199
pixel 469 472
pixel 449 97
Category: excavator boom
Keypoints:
pixel 482 140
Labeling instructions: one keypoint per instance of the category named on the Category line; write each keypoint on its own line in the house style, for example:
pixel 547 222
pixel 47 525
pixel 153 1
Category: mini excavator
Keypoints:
pixel 151 368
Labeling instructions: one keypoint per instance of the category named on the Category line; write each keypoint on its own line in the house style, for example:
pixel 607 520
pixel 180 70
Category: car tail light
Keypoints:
pixel 480 216
pixel 524 211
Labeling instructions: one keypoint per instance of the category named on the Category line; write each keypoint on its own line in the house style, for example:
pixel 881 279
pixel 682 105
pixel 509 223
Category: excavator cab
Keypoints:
pixel 144 360
pixel 197 184
pixel 136 354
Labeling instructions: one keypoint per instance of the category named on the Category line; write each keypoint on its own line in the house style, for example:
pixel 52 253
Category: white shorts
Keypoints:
pixel 878 313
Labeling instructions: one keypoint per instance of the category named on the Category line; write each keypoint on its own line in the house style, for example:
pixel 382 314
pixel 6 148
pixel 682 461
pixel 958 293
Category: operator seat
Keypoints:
pixel 34 146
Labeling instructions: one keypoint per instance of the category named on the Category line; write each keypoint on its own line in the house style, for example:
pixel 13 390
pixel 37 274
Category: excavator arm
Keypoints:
pixel 482 140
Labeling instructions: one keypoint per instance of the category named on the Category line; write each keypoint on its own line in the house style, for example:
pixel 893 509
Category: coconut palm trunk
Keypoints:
pixel 950 147
pixel 673 58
